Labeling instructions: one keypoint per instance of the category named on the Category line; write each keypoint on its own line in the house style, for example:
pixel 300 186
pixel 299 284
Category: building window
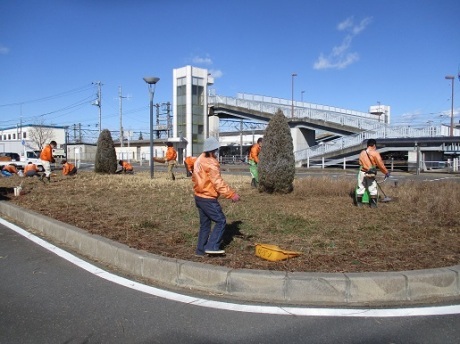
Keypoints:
pixel 24 136
pixel 9 136
pixel 197 95
pixel 14 136
pixel 197 81
pixel 181 81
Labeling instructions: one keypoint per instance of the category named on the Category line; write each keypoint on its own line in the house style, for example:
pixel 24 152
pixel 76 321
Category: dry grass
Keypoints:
pixel 420 229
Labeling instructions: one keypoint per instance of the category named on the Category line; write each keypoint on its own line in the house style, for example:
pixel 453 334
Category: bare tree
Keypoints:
pixel 41 135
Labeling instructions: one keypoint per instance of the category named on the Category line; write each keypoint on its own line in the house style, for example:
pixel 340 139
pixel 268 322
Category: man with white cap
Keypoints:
pixel 208 185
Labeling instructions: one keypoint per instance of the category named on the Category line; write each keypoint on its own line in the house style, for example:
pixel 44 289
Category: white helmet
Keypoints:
pixel 210 144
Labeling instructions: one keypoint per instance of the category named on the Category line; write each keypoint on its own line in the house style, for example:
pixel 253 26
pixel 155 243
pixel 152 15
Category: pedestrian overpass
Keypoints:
pixel 349 127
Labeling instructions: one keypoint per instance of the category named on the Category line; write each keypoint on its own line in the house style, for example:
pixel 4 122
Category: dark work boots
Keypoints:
pixel 373 202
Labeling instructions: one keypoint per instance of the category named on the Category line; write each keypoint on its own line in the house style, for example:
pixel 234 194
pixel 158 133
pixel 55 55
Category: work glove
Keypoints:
pixel 387 175
pixel 235 197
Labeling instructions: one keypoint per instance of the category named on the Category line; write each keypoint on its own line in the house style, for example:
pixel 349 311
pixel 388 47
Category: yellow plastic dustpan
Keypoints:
pixel 274 253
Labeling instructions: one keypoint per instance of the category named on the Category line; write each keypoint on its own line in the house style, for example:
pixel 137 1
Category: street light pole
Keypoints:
pixel 151 81
pixel 451 78
pixel 292 88
pixel 301 96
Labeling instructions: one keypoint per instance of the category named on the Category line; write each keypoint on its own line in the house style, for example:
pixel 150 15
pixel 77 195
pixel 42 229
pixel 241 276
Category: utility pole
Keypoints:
pixel 292 89
pixel 451 78
pixel 20 123
pixel 80 140
pixel 75 133
pixel 121 115
pixel 241 139
pixel 157 105
pixel 20 129
pixel 98 102
pixel 168 119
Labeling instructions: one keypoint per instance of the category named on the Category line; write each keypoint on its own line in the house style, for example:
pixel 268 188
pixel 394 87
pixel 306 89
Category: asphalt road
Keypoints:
pixel 46 299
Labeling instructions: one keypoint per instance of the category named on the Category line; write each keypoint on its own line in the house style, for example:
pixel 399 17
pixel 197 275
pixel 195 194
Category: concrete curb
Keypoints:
pixel 344 289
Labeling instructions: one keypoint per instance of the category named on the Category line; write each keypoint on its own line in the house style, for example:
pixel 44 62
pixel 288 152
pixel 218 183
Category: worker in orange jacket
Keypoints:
pixel 46 156
pixel 9 170
pixel 31 170
pixel 208 185
pixel 68 169
pixel 126 167
pixel 171 160
pixel 254 161
pixel 188 163
pixel 369 161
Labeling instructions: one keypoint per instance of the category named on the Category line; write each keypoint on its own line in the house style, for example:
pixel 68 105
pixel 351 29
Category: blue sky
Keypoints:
pixel 349 54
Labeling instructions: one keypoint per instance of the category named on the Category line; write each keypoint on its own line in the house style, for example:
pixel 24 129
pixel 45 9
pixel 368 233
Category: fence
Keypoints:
pixel 451 165
pixel 233 159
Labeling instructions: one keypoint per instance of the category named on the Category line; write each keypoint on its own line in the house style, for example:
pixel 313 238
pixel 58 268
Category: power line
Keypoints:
pixel 76 90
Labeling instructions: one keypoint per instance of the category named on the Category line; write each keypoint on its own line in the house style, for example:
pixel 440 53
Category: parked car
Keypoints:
pixel 13 156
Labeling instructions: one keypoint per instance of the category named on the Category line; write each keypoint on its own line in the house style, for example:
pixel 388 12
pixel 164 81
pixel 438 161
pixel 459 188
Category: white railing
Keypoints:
pixel 351 162
pixel 297 104
pixel 371 127
pixel 331 115
pixel 357 139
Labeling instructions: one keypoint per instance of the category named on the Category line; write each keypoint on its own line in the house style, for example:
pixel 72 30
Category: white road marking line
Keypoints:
pixel 261 309
pixel 438 179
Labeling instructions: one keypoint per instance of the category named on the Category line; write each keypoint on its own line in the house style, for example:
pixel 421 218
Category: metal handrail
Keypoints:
pixel 372 128
pixel 357 139
pixel 327 115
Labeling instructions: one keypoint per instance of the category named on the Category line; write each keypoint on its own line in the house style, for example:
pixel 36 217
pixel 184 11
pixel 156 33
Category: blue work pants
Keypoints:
pixel 210 211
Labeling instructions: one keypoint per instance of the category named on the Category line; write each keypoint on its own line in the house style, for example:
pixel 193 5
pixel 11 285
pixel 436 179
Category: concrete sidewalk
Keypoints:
pixel 312 289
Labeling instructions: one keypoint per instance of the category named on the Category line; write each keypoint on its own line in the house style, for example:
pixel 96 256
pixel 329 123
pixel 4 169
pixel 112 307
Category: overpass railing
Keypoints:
pixel 357 139
pixel 297 104
pixel 326 115
pixel 371 128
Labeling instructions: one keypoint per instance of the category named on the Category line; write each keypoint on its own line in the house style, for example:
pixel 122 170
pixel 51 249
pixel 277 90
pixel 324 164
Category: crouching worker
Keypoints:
pixel 68 169
pixel 31 170
pixel 126 167
pixel 208 185
pixel 369 161
pixel 9 170
pixel 188 163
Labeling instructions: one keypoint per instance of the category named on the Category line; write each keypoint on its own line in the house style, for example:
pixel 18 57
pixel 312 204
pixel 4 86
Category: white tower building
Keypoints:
pixel 190 106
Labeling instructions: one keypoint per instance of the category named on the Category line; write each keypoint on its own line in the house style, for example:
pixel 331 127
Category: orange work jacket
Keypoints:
pixel 370 159
pixel 67 168
pixel 189 162
pixel 127 166
pixel 10 168
pixel 30 167
pixel 47 154
pixel 254 152
pixel 207 180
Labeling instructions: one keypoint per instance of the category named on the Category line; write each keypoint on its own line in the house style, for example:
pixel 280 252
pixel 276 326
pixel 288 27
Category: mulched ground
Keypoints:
pixel 418 230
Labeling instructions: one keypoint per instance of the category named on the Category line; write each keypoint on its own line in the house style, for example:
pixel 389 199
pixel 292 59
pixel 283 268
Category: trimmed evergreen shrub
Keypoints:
pixel 106 158
pixel 277 164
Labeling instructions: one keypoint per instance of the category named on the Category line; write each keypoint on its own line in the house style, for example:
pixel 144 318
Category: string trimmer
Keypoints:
pixel 385 198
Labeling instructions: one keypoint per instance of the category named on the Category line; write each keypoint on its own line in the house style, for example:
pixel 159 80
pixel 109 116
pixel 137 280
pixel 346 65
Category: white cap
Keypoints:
pixel 210 144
